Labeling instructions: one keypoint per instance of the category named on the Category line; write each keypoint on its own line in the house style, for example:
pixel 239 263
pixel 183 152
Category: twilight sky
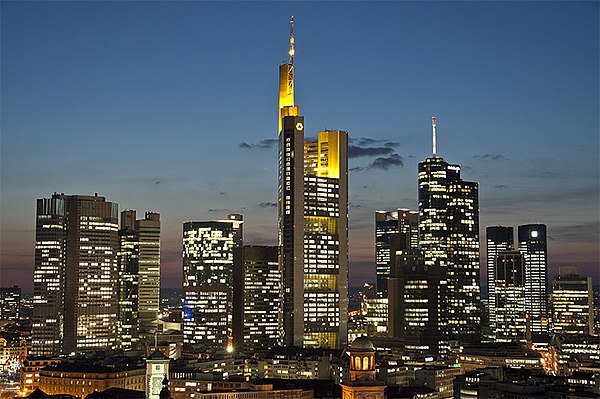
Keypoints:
pixel 172 107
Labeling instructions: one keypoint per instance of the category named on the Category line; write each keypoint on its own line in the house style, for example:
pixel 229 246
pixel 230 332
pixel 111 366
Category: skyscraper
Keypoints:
pixel 498 238
pixel 509 296
pixel 262 293
pixel 139 276
pixel 413 290
pixel 388 225
pixel 313 226
pixel 572 303
pixel 209 250
pixel 75 305
pixel 533 246
pixel 10 303
pixel 449 237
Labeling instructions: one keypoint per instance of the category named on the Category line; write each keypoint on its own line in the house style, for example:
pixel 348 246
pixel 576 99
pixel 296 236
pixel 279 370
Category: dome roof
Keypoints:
pixel 362 344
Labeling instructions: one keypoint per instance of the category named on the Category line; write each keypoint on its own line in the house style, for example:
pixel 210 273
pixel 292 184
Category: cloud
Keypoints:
pixel 267 205
pixel 368 141
pixel 382 163
pixel 214 210
pixel 261 145
pixel 491 157
pixel 356 151
pixel 385 163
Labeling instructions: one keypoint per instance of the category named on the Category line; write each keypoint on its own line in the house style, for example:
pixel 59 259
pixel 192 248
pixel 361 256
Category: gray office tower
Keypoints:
pixel 449 238
pixel 139 277
pixel 388 226
pixel 212 263
pixel 533 246
pixel 262 297
pixel 10 303
pixel 498 238
pixel 75 276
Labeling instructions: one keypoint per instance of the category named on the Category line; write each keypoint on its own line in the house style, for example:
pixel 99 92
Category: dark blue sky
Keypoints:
pixel 147 103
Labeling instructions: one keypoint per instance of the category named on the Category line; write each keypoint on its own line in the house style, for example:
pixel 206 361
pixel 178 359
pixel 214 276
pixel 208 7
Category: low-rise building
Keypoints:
pixel 499 354
pixel 30 373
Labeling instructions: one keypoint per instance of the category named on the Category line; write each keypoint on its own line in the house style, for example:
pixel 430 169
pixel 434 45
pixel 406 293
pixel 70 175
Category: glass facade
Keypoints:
pixel 533 246
pixel 509 296
pixel 498 238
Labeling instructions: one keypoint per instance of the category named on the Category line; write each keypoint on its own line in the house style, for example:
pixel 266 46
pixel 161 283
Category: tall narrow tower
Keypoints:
pixel 312 226
pixel 286 83
pixel 449 237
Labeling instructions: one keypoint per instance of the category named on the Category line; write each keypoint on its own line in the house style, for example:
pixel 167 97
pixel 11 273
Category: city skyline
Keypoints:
pixel 527 163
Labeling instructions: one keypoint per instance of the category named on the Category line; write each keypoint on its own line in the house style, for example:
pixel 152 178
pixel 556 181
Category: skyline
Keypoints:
pixel 514 118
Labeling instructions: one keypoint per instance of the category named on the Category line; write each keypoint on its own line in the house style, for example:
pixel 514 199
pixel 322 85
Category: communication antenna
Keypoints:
pixel 433 131
pixel 292 51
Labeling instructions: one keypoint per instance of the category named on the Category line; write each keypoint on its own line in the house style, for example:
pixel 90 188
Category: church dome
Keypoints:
pixel 362 344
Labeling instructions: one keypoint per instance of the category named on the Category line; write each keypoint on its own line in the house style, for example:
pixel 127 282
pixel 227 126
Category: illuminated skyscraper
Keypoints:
pixel 10 303
pixel 313 226
pixel 388 225
pixel 509 296
pixel 572 303
pixel 413 290
pixel 449 238
pixel 139 276
pixel 533 246
pixel 75 275
pixel 498 238
pixel 209 259
pixel 262 294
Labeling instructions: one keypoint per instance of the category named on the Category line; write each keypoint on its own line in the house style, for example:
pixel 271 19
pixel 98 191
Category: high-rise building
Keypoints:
pixel 211 251
pixel 572 303
pixel 533 246
pixel 509 293
pixel 262 293
pixel 413 290
pixel 498 238
pixel 388 225
pixel 10 303
pixel 313 226
pixel 449 238
pixel 139 276
pixel 75 275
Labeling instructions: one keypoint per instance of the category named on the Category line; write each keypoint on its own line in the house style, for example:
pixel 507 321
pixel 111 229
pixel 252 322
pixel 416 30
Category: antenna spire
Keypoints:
pixel 433 131
pixel 292 51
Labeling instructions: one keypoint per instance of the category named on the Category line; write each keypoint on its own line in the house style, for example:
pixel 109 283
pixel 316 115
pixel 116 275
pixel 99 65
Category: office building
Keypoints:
pixel 413 290
pixel 509 296
pixel 449 238
pixel 262 293
pixel 75 287
pixel 312 226
pixel 139 276
pixel 388 225
pixel 498 238
pixel 10 303
pixel 572 303
pixel 211 251
pixel 533 246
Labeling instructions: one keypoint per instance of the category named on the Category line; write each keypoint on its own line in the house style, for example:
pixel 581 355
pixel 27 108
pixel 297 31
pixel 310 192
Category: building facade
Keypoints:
pixel 139 276
pixel 312 226
pixel 572 303
pixel 10 303
pixel 533 246
pixel 498 238
pixel 509 296
pixel 449 238
pixel 262 293
pixel 75 276
pixel 209 250
pixel 388 224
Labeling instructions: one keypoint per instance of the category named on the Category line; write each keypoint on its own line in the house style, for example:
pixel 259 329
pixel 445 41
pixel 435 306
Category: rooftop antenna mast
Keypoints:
pixel 292 51
pixel 433 131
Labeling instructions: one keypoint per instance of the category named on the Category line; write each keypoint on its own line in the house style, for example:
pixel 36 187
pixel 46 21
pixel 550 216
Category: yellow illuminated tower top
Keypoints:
pixel 286 83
